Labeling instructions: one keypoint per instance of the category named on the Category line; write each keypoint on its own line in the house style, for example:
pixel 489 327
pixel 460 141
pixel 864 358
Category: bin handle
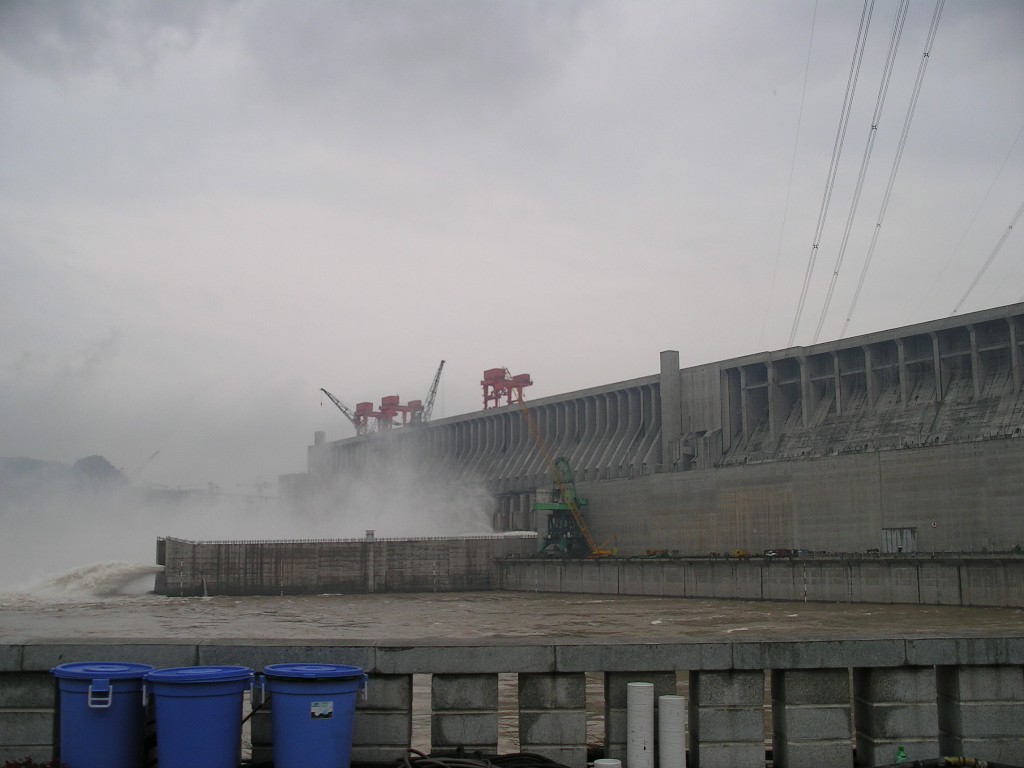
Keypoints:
pixel 145 696
pixel 100 699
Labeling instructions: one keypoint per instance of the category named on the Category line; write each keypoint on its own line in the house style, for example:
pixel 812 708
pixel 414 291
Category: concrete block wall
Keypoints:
pixel 335 566
pixel 27 721
pixel 957 694
pixel 811 718
pixel 383 720
pixel 464 712
pixel 726 719
pixel 965 580
pixel 894 708
pixel 981 712
pixel 553 716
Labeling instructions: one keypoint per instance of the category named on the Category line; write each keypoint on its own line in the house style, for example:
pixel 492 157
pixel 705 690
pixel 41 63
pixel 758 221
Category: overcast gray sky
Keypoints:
pixel 208 210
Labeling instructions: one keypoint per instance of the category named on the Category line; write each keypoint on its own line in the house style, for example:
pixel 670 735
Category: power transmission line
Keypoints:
pixel 792 168
pixel 970 224
pixel 837 151
pixel 991 256
pixel 883 89
pixel 899 157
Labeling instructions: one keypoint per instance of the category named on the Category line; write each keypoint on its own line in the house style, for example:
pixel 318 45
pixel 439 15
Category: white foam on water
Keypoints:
pixel 111 579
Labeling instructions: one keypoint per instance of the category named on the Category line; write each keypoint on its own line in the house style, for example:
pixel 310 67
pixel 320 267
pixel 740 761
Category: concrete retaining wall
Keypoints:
pixel 979 581
pixel 955 497
pixel 339 566
pixel 960 695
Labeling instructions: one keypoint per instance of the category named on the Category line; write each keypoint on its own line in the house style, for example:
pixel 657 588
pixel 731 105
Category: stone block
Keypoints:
pixel 555 728
pixel 728 689
pixel 10 658
pixel 28 727
pixel 901 684
pixel 553 691
pixel 387 692
pixel 817 654
pixel 812 754
pixel 640 657
pixel 472 731
pixel 811 723
pixel 456 659
pixel 973 683
pixel 895 721
pixel 811 686
pixel 40 658
pixel 258 656
pixel 27 689
pixel 728 756
pixel 975 651
pixel 874 752
pixel 383 728
pixel 724 724
pixel 464 692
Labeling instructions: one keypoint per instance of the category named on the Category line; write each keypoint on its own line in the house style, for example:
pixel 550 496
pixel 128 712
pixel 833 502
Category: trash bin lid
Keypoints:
pixel 101 670
pixel 312 671
pixel 199 674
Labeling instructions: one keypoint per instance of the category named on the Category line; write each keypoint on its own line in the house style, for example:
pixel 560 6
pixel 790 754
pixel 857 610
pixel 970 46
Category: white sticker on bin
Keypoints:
pixel 320 710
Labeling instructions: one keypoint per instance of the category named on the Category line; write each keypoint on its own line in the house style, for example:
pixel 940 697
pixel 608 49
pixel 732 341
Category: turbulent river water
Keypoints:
pixel 114 600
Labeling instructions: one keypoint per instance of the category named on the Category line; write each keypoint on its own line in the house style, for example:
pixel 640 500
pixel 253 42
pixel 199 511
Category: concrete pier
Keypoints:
pixel 922 580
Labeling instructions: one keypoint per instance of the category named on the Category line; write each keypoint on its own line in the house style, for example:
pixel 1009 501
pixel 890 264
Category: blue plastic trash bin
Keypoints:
pixel 311 713
pixel 102 713
pixel 199 715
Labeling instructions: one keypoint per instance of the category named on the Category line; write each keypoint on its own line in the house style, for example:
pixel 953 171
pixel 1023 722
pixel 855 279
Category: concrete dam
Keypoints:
pixel 905 440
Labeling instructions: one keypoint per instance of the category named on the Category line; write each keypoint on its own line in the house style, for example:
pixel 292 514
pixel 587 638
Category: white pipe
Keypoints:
pixel 640 725
pixel 607 762
pixel 671 732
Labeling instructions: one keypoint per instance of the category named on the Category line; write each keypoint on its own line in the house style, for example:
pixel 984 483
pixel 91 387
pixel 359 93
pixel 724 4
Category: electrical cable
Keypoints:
pixel 883 90
pixel 792 168
pixel 899 157
pixel 458 759
pixel 963 237
pixel 837 151
pixel 990 258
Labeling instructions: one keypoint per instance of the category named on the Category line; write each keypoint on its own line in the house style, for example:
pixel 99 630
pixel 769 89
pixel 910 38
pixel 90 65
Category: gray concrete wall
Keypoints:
pixel 979 581
pixel 963 693
pixel 817 447
pixel 340 566
pixel 957 497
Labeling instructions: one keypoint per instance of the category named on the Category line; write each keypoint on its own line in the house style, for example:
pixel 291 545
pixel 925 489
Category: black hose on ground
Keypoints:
pixel 461 759
pixel 950 762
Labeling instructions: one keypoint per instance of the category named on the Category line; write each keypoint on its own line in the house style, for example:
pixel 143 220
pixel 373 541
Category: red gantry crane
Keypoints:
pixel 365 419
pixel 498 383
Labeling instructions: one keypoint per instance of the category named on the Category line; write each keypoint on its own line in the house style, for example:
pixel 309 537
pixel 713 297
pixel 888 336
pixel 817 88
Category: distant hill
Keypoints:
pixel 94 471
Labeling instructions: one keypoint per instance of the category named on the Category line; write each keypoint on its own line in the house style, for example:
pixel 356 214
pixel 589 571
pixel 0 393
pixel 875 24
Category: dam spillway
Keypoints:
pixel 901 440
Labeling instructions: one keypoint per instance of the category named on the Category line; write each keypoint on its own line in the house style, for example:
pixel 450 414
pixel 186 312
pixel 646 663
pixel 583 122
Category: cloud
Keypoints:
pixel 62 40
